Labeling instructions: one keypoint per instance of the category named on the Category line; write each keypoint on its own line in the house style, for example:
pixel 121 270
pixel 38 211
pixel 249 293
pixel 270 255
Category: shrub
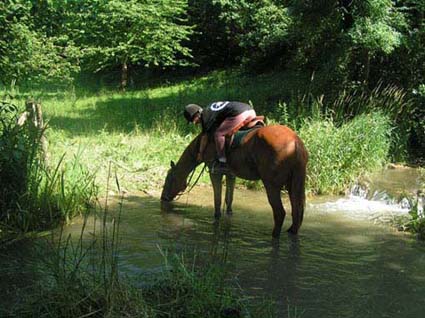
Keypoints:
pixel 339 155
pixel 32 195
pixel 18 149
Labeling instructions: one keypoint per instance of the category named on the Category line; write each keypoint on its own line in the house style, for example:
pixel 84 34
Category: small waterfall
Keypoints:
pixel 364 191
pixel 380 198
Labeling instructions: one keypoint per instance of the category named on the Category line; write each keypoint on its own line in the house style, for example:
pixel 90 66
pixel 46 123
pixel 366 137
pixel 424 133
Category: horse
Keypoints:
pixel 273 154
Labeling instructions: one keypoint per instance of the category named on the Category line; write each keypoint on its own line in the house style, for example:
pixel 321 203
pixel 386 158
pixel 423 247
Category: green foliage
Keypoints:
pixel 339 155
pixel 18 150
pixel 48 40
pixel 416 123
pixel 14 151
pixel 416 222
pixel 33 196
pixel 193 290
pixel 78 278
pixel 147 129
pixel 260 28
pixel 377 26
pixel 390 100
pixel 26 53
pixel 270 27
pixel 114 32
pixel 212 43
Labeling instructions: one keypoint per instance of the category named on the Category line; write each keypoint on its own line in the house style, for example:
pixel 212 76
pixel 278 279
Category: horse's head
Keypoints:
pixel 173 184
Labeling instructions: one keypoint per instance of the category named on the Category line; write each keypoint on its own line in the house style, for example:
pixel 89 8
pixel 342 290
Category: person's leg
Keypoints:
pixel 225 128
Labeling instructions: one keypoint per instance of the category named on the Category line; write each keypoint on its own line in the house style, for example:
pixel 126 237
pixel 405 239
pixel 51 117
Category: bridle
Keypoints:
pixel 181 193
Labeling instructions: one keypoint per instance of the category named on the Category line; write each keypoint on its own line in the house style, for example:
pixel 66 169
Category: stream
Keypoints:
pixel 345 262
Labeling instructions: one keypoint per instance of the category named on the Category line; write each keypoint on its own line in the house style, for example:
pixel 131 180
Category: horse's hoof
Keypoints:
pixel 217 215
pixel 229 212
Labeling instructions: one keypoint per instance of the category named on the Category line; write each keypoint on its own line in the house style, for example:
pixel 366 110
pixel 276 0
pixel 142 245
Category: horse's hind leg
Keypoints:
pixel 273 195
pixel 296 193
pixel 230 189
pixel 217 188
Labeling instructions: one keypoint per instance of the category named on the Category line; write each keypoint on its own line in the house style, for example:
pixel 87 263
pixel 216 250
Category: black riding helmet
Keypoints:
pixel 191 110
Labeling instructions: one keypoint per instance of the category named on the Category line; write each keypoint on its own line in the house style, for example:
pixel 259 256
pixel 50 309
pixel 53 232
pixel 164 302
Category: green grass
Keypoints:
pixel 340 155
pixel 139 132
pixel 35 195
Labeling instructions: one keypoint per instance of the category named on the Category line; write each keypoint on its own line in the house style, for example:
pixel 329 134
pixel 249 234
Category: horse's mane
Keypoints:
pixel 188 157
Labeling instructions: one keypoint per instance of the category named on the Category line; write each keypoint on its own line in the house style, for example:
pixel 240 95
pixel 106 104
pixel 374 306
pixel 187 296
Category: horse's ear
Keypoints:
pixel 172 164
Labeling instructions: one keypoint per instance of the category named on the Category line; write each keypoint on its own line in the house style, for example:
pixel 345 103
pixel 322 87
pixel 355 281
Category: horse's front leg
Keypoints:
pixel 230 189
pixel 217 188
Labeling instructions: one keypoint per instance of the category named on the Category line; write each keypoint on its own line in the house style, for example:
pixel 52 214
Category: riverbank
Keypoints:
pixel 140 132
pixel 132 136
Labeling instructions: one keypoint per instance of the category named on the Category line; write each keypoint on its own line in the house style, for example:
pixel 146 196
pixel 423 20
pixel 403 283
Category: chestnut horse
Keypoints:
pixel 274 154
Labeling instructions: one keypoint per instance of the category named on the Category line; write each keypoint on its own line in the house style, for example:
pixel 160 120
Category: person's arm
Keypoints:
pixel 202 146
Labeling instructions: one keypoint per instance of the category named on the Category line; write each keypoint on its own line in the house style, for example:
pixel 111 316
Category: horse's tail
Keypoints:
pixel 297 187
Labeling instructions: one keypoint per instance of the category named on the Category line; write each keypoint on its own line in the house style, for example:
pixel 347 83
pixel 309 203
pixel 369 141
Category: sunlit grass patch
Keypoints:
pixel 140 132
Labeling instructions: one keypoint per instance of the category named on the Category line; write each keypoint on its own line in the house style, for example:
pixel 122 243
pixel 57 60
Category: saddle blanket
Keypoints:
pixel 239 136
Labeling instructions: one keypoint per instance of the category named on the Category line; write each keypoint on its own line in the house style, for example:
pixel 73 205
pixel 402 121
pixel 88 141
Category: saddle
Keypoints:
pixel 235 137
pixel 248 124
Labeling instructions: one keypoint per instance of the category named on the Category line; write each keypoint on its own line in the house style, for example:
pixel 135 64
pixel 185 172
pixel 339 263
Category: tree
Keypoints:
pixel 129 32
pixel 346 33
pixel 259 28
pixel 377 30
pixel 212 44
pixel 27 53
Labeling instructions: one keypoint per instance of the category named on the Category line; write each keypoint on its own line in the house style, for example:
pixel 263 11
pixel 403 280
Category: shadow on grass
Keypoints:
pixel 163 107
pixel 123 114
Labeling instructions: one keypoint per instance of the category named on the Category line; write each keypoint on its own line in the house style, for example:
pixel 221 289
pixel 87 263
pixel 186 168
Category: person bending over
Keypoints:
pixel 218 119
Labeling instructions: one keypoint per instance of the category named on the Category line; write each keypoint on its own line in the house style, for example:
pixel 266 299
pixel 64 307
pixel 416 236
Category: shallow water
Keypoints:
pixel 342 264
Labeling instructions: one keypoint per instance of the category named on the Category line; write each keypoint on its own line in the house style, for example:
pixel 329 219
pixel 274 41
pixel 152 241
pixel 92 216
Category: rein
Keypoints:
pixel 190 180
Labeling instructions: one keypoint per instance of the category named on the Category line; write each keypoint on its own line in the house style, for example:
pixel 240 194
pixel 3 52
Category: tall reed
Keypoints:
pixel 339 155
pixel 36 196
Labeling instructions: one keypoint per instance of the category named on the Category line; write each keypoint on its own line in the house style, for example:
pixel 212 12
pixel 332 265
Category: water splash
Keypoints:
pixel 381 198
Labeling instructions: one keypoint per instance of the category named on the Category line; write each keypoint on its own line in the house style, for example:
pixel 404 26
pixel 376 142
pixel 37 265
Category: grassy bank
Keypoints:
pixel 134 135
pixel 141 131
pixel 340 155
pixel 36 195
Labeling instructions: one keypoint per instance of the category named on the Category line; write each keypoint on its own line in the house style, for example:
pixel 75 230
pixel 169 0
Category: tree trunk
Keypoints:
pixel 34 114
pixel 366 69
pixel 124 76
